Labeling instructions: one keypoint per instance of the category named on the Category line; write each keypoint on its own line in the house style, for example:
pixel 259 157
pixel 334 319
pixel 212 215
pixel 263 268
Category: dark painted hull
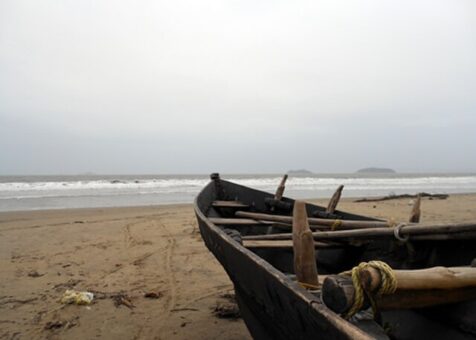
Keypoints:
pixel 272 305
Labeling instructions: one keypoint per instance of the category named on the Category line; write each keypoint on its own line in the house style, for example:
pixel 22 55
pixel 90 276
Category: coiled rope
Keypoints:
pixel 388 285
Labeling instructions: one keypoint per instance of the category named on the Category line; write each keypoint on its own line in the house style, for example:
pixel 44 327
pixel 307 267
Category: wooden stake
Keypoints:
pixel 281 187
pixel 416 212
pixel 303 244
pixel 331 207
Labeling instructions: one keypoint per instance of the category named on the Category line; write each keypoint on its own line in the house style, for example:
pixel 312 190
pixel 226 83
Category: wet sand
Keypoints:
pixel 123 253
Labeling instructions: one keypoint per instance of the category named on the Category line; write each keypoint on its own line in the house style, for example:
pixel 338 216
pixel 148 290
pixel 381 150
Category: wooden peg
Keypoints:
pixel 331 207
pixel 281 187
pixel 416 212
pixel 303 243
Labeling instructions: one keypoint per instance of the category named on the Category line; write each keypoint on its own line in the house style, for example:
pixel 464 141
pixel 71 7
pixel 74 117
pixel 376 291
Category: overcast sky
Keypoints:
pixel 236 86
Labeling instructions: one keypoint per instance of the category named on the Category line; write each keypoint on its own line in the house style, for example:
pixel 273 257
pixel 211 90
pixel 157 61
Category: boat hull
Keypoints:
pixel 272 306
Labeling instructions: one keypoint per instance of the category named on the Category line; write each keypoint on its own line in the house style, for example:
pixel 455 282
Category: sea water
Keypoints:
pixel 57 192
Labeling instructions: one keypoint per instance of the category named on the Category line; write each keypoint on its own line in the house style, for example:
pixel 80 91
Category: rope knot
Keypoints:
pixel 388 285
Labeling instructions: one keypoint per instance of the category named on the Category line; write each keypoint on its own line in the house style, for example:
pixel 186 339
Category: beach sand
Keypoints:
pixel 122 253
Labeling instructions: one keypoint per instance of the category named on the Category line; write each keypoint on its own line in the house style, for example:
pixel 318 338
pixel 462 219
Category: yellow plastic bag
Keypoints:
pixel 78 298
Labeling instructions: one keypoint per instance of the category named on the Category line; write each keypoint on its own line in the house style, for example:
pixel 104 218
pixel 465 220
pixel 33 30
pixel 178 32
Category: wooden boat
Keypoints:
pixel 275 306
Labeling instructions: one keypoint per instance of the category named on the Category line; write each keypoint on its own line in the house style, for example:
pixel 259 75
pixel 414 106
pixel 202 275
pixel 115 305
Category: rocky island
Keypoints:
pixel 374 170
pixel 299 172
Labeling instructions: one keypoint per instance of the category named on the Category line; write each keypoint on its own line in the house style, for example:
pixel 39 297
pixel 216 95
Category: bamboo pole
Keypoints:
pixel 240 221
pixel 303 244
pixel 229 204
pixel 339 224
pixel 331 207
pixel 410 230
pixel 284 244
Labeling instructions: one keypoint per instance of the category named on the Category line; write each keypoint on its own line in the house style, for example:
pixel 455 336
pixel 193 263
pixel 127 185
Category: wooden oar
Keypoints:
pixel 331 223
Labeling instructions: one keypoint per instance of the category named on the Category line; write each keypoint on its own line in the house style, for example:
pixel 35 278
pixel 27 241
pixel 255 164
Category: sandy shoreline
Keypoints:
pixel 133 251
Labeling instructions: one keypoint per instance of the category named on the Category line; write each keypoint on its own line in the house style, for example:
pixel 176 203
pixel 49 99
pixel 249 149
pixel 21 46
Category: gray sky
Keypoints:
pixel 236 86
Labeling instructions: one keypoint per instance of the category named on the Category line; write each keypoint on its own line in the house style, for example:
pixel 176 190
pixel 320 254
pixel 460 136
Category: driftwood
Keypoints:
pixel 394 197
pixel 336 224
pixel 303 245
pixel 415 288
pixel 403 232
pixel 416 211
pixel 331 207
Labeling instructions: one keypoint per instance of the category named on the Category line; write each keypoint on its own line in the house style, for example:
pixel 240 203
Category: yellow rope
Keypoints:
pixel 336 224
pixel 388 285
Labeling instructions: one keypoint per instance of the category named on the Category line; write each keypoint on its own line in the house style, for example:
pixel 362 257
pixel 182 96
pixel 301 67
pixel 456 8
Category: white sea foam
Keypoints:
pixel 193 184
pixel 102 184
pixel 30 194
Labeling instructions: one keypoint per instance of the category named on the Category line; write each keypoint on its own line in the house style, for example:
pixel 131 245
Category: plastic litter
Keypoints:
pixel 78 298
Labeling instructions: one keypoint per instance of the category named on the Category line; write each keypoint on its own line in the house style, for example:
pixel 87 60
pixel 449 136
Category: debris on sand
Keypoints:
pixel 57 324
pixel 122 299
pixel 78 298
pixel 34 273
pixel 54 324
pixel 153 295
pixel 227 311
